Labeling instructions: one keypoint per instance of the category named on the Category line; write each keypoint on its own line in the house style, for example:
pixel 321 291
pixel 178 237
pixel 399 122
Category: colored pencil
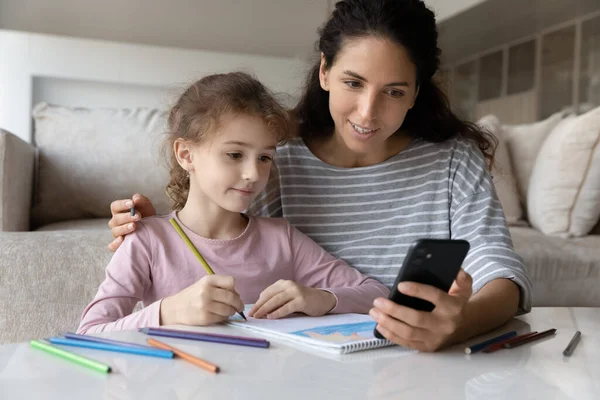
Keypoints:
pixel 187 357
pixel 218 335
pixel 75 336
pixel 500 345
pixel 572 344
pixel 530 339
pixel 111 347
pixel 67 355
pixel 199 256
pixel 205 338
pixel 480 346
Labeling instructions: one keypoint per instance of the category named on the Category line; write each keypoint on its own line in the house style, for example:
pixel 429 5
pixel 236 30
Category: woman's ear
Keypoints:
pixel 183 153
pixel 323 74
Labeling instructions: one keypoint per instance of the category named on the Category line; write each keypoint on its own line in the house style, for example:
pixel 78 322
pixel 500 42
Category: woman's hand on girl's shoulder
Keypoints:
pixel 286 297
pixel 122 222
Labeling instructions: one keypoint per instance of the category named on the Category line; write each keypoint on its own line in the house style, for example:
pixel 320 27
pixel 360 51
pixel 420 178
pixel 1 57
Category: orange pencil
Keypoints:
pixel 187 357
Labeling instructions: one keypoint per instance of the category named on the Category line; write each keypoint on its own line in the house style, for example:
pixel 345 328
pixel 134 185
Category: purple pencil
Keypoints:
pixel 205 338
pixel 70 335
pixel 210 334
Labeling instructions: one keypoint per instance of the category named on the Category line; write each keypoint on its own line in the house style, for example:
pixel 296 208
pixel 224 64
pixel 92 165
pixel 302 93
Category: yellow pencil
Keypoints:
pixel 194 250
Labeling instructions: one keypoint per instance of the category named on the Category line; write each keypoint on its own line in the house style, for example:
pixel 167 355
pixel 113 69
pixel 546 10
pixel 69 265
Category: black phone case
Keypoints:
pixel 434 262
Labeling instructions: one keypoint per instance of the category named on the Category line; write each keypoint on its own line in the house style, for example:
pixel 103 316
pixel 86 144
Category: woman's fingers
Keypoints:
pixel 393 337
pixel 114 245
pixel 415 318
pixel 463 285
pixel 143 205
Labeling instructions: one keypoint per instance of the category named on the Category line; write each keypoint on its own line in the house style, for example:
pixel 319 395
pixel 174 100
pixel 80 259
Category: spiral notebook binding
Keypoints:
pixel 365 345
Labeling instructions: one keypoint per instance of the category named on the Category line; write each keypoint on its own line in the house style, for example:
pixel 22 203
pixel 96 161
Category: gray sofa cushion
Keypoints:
pixel 565 272
pixel 90 157
pixel 47 279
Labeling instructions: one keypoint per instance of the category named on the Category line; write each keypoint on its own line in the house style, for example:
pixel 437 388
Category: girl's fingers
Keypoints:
pixel 272 304
pixel 284 310
pixel 265 296
pixel 221 310
pixel 229 298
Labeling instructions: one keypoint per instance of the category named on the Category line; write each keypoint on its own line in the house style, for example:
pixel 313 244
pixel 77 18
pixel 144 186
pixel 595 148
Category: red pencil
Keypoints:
pixel 530 338
pixel 498 346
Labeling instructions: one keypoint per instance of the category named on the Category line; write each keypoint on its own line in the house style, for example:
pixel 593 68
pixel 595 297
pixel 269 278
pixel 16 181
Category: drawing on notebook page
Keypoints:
pixel 334 333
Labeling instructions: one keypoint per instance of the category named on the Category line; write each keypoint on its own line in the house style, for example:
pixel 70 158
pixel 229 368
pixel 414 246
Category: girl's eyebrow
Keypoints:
pixel 361 78
pixel 244 144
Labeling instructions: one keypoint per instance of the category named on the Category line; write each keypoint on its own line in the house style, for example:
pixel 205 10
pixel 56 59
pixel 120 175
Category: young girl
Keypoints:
pixel 222 134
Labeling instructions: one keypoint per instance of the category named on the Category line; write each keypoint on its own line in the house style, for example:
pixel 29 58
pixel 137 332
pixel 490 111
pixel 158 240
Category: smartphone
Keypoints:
pixel 434 262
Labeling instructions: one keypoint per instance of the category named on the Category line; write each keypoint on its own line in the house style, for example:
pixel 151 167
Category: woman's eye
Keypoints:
pixel 395 93
pixel 234 156
pixel 265 158
pixel 353 84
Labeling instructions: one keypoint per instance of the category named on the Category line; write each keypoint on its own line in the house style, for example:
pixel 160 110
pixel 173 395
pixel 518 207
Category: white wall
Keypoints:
pixel 286 28
pixel 83 72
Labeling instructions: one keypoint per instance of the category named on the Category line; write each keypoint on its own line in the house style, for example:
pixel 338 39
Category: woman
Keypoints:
pixel 382 161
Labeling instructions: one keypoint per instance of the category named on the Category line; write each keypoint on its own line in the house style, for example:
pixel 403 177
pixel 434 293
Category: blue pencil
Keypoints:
pixel 480 346
pixel 111 347
pixel 88 338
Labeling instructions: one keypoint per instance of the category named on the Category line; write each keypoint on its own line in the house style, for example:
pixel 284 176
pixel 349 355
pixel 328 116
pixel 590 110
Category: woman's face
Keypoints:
pixel 371 85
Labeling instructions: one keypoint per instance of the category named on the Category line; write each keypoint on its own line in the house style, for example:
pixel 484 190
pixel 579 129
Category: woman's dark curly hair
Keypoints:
pixel 410 24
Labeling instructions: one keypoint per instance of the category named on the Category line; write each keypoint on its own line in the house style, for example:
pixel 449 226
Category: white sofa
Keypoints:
pixel 54 209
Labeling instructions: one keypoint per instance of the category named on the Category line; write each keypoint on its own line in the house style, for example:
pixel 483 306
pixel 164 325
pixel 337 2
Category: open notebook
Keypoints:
pixel 336 333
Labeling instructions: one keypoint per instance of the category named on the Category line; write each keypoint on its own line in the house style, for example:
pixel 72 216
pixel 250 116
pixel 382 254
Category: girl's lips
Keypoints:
pixel 245 192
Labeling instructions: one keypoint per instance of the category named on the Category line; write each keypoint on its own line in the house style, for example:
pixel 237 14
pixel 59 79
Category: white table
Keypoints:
pixel 534 371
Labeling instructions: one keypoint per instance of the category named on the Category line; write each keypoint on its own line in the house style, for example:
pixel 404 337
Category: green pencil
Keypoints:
pixel 77 359
pixel 196 253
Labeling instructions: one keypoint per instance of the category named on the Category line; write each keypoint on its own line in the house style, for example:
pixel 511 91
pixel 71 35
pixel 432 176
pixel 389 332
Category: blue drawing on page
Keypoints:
pixel 342 333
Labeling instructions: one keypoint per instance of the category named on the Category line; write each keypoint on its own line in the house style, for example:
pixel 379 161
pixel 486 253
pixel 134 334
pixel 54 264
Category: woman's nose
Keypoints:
pixel 367 107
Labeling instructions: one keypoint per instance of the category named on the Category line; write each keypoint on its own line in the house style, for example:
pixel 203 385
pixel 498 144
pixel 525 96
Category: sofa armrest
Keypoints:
pixel 17 160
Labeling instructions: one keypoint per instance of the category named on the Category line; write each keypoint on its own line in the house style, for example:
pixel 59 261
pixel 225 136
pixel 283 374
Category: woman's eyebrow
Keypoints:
pixel 361 78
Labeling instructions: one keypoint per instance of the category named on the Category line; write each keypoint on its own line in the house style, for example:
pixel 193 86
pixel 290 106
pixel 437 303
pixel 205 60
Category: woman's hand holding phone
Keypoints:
pixel 425 331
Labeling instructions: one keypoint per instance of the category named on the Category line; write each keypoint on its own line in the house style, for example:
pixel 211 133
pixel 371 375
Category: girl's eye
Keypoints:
pixel 395 93
pixel 234 156
pixel 353 84
pixel 265 158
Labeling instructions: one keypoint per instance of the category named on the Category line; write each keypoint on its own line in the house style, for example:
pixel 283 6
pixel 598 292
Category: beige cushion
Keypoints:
pixel 524 143
pixel 504 179
pixel 564 191
pixel 90 157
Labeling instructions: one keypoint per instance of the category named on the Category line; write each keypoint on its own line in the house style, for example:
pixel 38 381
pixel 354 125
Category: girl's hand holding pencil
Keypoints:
pixel 210 300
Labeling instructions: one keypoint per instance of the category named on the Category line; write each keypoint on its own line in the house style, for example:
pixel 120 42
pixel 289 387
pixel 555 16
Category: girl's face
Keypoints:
pixel 371 85
pixel 232 166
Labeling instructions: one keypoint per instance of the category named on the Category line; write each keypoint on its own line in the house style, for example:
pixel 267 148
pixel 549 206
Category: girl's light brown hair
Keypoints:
pixel 200 111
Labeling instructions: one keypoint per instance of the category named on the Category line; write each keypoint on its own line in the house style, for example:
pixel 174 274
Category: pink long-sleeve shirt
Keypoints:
pixel 154 262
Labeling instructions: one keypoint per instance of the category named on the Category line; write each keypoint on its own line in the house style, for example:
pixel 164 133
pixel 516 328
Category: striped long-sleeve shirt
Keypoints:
pixel 369 216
